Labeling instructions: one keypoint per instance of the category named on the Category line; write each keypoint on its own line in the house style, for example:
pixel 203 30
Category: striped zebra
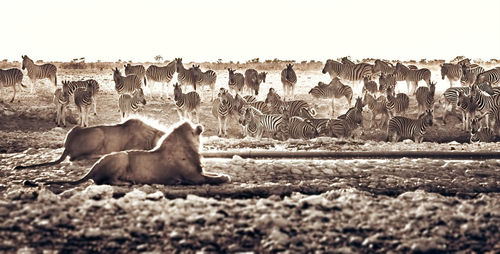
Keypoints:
pixel 61 100
pixel 470 73
pixel 335 89
pixel 344 126
pixel 452 71
pixel 223 108
pixel 369 86
pixel 401 127
pixel 416 75
pixel 207 78
pixel 125 84
pixel 468 108
pixel 276 105
pixel 376 106
pixel 480 134
pixel 386 81
pixel 11 77
pixel 187 103
pixel 425 97
pixel 83 100
pixel 491 77
pixel 252 125
pixel 236 81
pixel 162 74
pixel 258 123
pixel 396 104
pixel 345 60
pixel 253 79
pixel 36 72
pixel 355 73
pixel 383 67
pixel 333 68
pixel 137 70
pixel 250 98
pixel 300 128
pixel 483 101
pixel 288 79
pixel 71 86
pixel 131 103
pixel 400 72
pixel 186 76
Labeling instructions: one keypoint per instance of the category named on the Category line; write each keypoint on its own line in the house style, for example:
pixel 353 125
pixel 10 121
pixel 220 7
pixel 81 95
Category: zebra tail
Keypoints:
pixel 55 80
pixel 63 156
pixel 23 85
pixel 145 84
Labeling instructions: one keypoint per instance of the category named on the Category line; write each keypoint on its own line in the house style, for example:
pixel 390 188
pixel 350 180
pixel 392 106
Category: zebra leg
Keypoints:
pixel 32 85
pixel 225 126
pixel 63 113
pixel 219 133
pixel 14 95
pixel 95 105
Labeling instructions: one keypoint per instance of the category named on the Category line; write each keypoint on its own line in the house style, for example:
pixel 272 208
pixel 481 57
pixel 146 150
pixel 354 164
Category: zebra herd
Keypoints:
pixel 283 118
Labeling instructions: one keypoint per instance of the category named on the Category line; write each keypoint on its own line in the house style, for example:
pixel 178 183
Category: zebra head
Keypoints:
pixel 26 61
pixel 359 104
pixel 177 91
pixel 139 94
pixel 427 117
pixel 262 77
pixel 178 64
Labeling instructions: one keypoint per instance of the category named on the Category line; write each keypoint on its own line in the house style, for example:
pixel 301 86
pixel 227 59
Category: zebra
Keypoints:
pixel 137 70
pixel 333 68
pixel 186 76
pixel 396 104
pixel 383 67
pixel 376 106
pixel 483 101
pixel 83 100
pixel 416 75
pixel 401 127
pixel 288 79
pixel 36 72
pixel 276 105
pixel 452 71
pixel 335 89
pixel 223 108
pixel 258 123
pixel 300 128
pixel 491 77
pixel 11 77
pixel 163 74
pixel 321 124
pixel 369 86
pixel 187 103
pixel 252 125
pixel 480 134
pixel 425 97
pixel 207 78
pixel 61 100
pixel 253 80
pixel 470 73
pixel 125 84
pixel 343 126
pixel 356 73
pixel 467 106
pixel 130 103
pixel 236 80
pixel 400 72
pixel 386 81
pixel 71 86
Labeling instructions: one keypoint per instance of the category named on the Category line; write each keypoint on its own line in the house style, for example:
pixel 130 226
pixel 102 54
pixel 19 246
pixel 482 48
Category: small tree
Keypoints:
pixel 158 58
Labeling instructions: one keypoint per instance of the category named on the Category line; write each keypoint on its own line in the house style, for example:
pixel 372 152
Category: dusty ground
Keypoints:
pixel 401 205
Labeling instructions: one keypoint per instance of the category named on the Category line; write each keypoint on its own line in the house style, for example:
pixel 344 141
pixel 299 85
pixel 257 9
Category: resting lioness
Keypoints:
pixel 94 142
pixel 176 160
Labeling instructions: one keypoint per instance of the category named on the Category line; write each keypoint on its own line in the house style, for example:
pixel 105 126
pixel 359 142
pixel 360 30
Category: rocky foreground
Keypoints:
pixel 346 206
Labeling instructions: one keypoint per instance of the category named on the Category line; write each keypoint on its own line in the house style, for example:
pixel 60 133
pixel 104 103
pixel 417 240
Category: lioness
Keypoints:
pixel 176 160
pixel 94 142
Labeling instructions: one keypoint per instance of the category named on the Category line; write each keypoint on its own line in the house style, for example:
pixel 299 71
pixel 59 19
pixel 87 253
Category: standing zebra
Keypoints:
pixel 369 86
pixel 125 84
pixel 396 104
pixel 36 72
pixel 207 78
pixel 377 107
pixel 223 109
pixel 186 76
pixel 288 79
pixel 187 103
pixel 130 103
pixel 253 80
pixel 400 72
pixel 452 71
pixel 467 106
pixel 480 134
pixel 83 101
pixel 470 73
pixel 491 77
pixel 383 67
pixel 236 81
pixel 405 128
pixel 162 74
pixel 61 100
pixel 425 97
pixel 416 75
pixel 137 70
pixel 11 77
pixel 71 86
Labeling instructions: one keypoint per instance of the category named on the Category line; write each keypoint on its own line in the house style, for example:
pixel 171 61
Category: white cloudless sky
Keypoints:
pixel 199 30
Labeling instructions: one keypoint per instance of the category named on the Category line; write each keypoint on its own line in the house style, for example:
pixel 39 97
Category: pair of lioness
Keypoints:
pixel 175 160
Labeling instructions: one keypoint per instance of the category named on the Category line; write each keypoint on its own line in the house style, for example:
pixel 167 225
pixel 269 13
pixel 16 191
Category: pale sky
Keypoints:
pixel 200 30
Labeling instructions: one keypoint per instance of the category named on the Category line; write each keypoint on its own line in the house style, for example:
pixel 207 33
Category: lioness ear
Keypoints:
pixel 198 130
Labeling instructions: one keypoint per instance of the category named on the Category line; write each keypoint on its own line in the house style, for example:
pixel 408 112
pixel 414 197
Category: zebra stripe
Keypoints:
pixel 130 103
pixel 383 67
pixel 187 103
pixel 253 80
pixel 83 100
pixel 405 128
pixel 288 79
pixel 162 74
pixel 61 100
pixel 11 77
pixel 377 107
pixel 125 84
pixel 252 125
pixel 250 98
pixel 207 78
pixel 186 76
pixel 36 72
pixel 425 97
pixel 137 70
pixel 491 77
pixel 400 72
pixel 452 71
